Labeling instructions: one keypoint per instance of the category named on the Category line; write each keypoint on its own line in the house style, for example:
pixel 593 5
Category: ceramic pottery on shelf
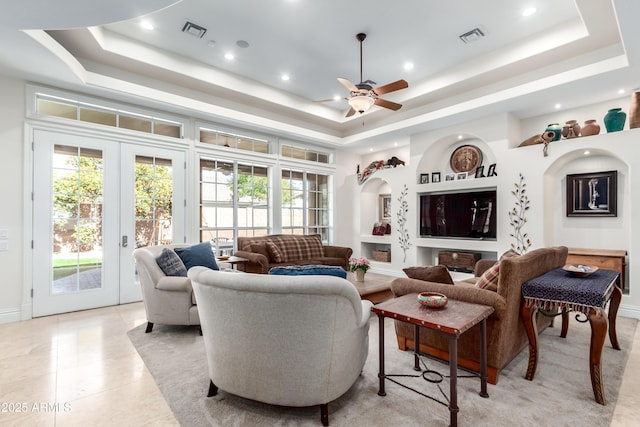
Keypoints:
pixel 360 275
pixel 590 128
pixel 634 111
pixel 614 120
pixel 555 128
pixel 571 129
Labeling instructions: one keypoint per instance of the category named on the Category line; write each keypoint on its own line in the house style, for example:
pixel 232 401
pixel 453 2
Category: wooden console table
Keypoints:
pixel 602 258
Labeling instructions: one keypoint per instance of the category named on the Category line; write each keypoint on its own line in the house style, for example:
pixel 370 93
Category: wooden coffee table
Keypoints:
pixel 239 262
pixel 453 320
pixel 375 288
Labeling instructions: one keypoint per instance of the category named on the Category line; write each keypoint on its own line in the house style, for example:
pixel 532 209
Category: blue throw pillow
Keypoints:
pixel 171 264
pixel 309 270
pixel 200 254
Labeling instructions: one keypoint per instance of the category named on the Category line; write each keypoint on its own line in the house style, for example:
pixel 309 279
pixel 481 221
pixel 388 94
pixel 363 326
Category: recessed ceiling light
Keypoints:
pixel 460 137
pixel 587 152
pixel 336 97
pixel 242 43
pixel 229 56
pixel 146 25
pixel 370 149
pixel 408 66
pixel 529 11
pixel 211 43
pixel 621 91
pixel 395 144
pixel 285 77
pixel 558 106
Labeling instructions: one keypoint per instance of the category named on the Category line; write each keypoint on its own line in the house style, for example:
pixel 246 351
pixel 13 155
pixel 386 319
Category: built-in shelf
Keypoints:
pixel 458 244
pixel 462 185
pixel 370 238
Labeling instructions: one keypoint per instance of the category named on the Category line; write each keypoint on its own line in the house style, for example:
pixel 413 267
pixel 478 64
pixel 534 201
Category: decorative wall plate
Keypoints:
pixel 466 158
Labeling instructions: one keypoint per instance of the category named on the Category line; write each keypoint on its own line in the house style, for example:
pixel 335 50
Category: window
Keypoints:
pixel 304 154
pixel 234 200
pixel 90 113
pixel 305 203
pixel 232 140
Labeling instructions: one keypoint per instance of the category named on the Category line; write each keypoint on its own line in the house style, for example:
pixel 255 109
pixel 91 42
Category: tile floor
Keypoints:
pixel 80 369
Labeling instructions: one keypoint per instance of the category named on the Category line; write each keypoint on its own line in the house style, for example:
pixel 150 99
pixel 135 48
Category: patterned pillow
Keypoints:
pixel 489 279
pixel 274 252
pixel 171 264
pixel 200 254
pixel 260 248
pixel 437 273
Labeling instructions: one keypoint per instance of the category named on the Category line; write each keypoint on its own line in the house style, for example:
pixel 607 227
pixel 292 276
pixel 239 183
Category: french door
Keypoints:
pixel 94 201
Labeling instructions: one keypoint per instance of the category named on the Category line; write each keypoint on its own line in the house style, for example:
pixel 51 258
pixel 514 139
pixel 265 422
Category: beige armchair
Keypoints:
pixel 168 300
pixel 282 340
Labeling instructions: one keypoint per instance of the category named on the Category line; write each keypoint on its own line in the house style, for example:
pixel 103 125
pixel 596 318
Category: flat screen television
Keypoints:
pixel 461 215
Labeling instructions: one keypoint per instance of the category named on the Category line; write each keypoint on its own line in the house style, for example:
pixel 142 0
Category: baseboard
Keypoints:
pixel 10 315
pixel 632 311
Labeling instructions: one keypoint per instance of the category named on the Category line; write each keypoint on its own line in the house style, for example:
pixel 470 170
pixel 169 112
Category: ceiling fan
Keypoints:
pixel 362 95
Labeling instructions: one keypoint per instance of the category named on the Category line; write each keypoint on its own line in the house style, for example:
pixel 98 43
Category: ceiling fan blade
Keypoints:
pixel 391 87
pixel 387 104
pixel 346 83
pixel 351 112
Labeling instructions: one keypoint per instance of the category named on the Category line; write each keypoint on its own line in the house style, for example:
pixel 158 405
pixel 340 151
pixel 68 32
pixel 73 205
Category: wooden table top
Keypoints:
pixel 455 318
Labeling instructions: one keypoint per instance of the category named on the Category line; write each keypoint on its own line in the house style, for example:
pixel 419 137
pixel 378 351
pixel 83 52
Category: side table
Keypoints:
pixel 235 261
pixel 557 290
pixel 453 320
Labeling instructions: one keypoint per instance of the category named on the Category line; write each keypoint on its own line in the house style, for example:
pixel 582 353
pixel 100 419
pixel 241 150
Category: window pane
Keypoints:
pixel 135 123
pixel 95 116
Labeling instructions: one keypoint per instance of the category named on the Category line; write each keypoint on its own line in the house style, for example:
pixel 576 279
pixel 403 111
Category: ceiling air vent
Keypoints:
pixel 194 29
pixel 472 36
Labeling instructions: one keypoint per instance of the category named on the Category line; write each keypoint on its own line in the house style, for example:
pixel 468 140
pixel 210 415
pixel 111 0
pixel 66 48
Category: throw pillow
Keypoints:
pixel 275 253
pixel 200 254
pixel 489 279
pixel 309 270
pixel 171 264
pixel 260 248
pixel 437 273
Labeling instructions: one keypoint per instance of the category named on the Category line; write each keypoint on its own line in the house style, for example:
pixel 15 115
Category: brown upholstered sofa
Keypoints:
pixel 506 335
pixel 279 250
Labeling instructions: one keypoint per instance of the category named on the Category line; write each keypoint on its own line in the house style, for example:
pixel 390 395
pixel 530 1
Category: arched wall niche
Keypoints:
pixel 370 202
pixel 436 158
pixel 585 232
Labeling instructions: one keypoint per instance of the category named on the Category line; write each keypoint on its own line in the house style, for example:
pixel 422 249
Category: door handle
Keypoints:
pixel 125 241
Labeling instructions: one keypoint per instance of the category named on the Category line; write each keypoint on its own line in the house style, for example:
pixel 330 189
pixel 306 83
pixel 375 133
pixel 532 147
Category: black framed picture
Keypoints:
pixel 592 194
pixel 492 170
pixel 435 177
pixel 450 177
pixel 462 175
pixel 480 172
pixel 424 178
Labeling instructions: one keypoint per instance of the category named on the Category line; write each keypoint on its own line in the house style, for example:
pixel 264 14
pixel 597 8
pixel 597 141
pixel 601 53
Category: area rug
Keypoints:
pixel 559 395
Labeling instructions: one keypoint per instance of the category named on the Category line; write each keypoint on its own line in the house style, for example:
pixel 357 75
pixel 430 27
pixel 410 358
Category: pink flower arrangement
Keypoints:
pixel 360 263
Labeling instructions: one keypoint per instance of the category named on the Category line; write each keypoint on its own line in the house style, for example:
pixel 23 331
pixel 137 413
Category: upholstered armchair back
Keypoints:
pixel 284 340
pixel 167 300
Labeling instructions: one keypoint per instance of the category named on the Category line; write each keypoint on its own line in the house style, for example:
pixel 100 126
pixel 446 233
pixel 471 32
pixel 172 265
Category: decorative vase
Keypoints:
pixel 571 129
pixel 614 120
pixel 634 110
pixel 555 128
pixel 590 128
pixel 360 275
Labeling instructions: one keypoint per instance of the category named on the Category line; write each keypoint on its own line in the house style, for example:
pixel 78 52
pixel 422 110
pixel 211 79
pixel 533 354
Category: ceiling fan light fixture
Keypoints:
pixel 361 103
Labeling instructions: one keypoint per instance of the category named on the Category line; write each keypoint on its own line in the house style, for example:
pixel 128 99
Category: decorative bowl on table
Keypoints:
pixel 432 299
pixel 579 270
pixel 223 257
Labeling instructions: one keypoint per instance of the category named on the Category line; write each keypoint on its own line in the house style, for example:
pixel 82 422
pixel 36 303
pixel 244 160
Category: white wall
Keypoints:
pixel 547 225
pixel 12 195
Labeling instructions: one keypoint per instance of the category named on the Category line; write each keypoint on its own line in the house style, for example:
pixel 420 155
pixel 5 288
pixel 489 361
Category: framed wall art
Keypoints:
pixel 435 177
pixel 592 194
pixel 384 208
pixel 424 178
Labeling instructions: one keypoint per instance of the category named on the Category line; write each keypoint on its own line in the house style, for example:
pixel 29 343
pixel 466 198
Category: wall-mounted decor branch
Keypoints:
pixel 401 216
pixel 517 217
